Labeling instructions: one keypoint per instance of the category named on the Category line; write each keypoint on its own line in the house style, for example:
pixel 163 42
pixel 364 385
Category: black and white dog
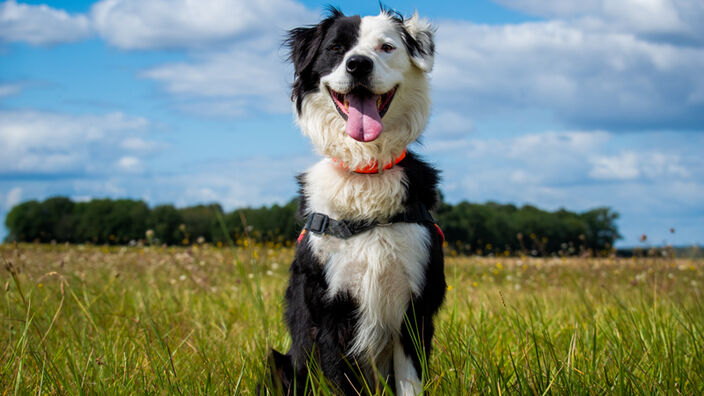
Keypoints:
pixel 368 276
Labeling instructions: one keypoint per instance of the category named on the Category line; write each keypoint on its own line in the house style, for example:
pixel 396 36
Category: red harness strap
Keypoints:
pixel 442 235
pixel 301 235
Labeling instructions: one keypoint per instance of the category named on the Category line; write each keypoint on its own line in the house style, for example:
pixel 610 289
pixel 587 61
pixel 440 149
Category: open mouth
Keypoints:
pixel 362 111
pixel 361 95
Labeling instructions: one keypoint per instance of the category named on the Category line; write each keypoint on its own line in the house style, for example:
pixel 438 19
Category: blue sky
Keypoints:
pixel 573 104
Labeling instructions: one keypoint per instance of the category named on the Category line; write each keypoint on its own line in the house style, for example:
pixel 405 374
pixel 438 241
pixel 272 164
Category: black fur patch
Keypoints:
pixel 322 330
pixel 316 50
pixel 423 182
pixel 413 46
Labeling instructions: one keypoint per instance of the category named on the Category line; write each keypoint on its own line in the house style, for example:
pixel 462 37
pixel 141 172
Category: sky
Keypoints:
pixel 574 104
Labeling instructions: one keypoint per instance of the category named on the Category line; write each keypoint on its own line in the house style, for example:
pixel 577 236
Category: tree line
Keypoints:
pixel 488 228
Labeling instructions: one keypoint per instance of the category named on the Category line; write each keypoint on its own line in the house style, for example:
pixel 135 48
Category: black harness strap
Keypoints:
pixel 319 223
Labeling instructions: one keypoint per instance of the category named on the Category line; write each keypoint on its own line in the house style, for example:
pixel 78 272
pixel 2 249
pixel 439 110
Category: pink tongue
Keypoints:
pixel 363 120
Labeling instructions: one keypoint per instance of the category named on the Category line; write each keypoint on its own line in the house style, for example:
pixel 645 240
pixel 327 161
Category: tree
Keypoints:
pixel 23 222
pixel 165 220
pixel 201 221
pixel 113 222
pixel 601 229
pixel 490 228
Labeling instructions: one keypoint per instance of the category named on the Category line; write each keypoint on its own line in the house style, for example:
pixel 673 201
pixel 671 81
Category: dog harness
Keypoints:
pixel 322 224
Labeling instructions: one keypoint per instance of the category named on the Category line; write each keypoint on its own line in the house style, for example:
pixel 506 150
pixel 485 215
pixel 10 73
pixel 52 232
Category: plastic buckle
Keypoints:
pixel 317 222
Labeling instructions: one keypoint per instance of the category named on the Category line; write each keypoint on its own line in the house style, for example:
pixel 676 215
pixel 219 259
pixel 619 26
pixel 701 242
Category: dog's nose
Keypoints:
pixel 359 65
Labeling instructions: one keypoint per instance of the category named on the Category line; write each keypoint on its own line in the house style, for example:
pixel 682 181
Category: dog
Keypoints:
pixel 368 273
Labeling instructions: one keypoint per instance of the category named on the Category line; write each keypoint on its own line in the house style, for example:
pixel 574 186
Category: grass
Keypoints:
pixel 200 320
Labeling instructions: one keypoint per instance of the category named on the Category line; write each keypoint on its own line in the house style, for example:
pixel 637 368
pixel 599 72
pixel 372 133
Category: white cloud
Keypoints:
pixel 240 183
pixel 236 66
pixel 33 141
pixel 238 107
pixel 620 167
pixel 656 182
pixel 562 8
pixel 629 165
pixel 574 169
pixel 10 89
pixel 531 168
pixel 655 165
pixel 233 184
pixel 589 72
pixel 138 144
pixel 129 164
pixel 236 183
pixel 543 144
pixel 147 24
pixel 113 187
pixel 539 145
pixel 673 20
pixel 40 24
pixel 202 195
pixel 14 196
pixel 154 24
pixel 528 168
pixel 450 124
pixel 233 82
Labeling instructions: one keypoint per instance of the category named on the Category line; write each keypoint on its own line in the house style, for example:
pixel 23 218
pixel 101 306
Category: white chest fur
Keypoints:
pixel 380 268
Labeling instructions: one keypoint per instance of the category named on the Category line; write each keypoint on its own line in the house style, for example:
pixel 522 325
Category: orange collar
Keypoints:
pixel 373 167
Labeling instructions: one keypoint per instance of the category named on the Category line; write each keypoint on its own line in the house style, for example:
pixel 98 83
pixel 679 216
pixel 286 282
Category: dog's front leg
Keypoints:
pixel 408 381
pixel 333 340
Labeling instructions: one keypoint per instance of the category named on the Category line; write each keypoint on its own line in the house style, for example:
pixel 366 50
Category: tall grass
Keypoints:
pixel 201 319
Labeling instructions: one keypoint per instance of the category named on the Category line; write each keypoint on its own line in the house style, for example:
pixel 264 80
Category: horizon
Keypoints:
pixel 572 105
pixel 642 244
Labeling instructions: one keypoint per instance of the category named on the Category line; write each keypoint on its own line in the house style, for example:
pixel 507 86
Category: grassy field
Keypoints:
pixel 199 320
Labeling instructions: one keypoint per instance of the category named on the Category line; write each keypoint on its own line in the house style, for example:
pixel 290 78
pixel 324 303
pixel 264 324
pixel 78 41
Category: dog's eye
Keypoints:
pixel 335 48
pixel 387 48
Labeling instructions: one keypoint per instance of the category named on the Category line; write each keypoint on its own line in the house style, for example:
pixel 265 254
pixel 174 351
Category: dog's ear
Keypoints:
pixel 418 37
pixel 303 43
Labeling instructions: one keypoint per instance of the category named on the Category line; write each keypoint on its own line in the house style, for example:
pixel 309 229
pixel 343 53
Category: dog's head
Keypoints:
pixel 361 88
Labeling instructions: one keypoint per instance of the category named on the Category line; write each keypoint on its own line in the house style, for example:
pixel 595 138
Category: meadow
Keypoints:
pixel 200 320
